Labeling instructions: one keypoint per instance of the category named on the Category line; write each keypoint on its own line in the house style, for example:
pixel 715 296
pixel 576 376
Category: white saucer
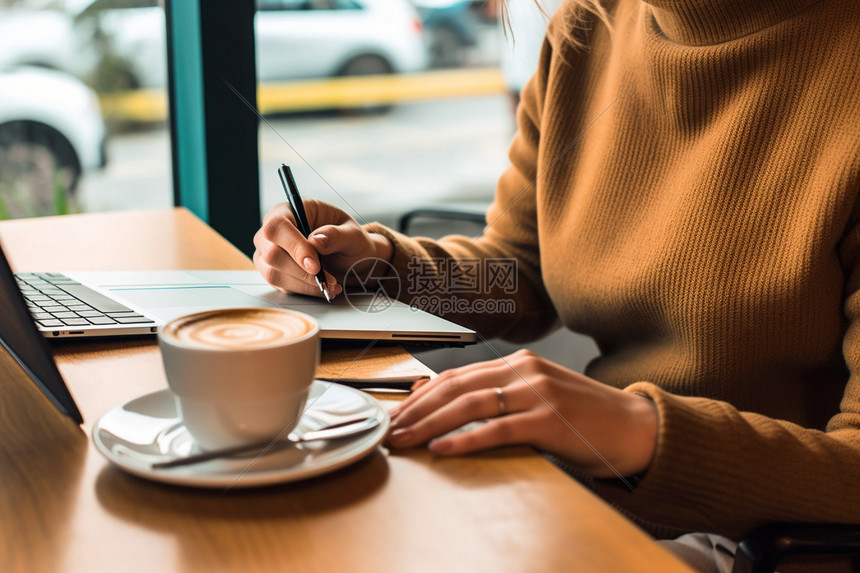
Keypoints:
pixel 148 429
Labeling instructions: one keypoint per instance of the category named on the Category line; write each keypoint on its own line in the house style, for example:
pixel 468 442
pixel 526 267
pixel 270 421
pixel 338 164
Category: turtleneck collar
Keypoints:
pixel 703 22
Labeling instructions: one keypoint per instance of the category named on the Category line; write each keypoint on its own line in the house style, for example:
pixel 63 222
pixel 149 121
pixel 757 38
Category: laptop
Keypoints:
pixel 18 334
pixel 120 303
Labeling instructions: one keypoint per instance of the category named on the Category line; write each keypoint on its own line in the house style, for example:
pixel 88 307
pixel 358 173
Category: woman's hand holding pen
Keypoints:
pixel 289 262
pixel 527 399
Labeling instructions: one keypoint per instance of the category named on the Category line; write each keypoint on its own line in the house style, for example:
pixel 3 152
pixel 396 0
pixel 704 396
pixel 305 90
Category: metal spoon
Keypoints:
pixel 335 431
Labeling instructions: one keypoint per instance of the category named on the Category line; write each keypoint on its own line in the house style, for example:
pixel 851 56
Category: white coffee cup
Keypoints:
pixel 240 375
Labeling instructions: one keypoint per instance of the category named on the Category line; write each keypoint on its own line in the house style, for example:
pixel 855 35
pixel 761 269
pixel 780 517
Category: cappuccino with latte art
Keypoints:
pixel 239 328
pixel 240 375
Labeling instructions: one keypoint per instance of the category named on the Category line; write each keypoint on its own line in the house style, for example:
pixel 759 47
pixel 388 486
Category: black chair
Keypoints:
pixel 468 213
pixel 766 546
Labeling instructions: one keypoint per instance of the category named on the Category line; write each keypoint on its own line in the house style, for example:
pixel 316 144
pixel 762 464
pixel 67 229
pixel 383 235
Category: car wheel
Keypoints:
pixel 367 65
pixel 39 170
pixel 446 50
pixel 115 74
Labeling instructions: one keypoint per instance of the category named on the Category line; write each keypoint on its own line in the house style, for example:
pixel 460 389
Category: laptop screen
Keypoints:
pixel 19 335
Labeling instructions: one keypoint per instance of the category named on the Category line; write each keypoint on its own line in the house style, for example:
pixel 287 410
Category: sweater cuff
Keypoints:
pixel 403 254
pixel 685 461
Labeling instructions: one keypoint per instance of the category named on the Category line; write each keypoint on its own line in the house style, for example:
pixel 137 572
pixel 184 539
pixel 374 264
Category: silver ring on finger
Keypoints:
pixel 500 398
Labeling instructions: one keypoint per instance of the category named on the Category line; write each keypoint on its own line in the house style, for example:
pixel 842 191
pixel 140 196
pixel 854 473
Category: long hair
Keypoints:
pixel 576 17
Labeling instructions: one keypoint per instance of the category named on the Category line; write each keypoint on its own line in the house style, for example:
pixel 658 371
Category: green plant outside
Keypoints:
pixel 17 202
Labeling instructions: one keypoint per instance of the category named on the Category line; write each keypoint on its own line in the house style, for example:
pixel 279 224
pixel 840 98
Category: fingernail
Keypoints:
pixel 320 238
pixel 337 289
pixel 395 411
pixel 440 446
pixel 309 264
pixel 400 436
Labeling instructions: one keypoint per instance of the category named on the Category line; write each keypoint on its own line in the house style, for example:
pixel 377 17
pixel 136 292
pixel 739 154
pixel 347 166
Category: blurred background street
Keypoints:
pixel 380 106
pixel 373 166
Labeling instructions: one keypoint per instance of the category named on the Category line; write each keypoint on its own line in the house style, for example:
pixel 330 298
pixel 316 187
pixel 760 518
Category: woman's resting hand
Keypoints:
pixel 604 430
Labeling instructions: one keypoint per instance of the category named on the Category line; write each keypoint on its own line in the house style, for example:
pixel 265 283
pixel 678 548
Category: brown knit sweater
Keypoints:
pixel 684 190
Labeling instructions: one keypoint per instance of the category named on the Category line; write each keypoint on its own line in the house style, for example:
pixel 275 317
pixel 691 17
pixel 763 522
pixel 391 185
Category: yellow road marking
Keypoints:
pixel 151 105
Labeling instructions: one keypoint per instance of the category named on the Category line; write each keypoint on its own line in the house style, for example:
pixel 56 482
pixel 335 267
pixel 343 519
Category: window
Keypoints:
pixel 369 116
pixel 82 107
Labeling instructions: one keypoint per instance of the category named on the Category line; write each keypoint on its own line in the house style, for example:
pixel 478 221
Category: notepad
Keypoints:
pixel 377 367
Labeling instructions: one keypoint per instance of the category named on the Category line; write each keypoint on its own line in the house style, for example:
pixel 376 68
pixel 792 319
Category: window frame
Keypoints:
pixel 212 93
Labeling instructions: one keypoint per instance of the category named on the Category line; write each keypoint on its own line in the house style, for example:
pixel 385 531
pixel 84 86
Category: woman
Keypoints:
pixel 683 188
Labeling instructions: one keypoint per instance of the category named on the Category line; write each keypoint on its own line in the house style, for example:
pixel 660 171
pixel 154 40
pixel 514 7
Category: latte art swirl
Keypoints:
pixel 245 333
pixel 243 328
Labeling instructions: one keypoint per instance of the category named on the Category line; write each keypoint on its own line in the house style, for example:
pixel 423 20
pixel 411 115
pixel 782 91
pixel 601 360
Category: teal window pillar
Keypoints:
pixel 189 143
pixel 211 63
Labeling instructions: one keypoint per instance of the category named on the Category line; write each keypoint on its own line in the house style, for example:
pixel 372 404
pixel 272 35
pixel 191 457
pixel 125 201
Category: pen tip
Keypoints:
pixel 323 289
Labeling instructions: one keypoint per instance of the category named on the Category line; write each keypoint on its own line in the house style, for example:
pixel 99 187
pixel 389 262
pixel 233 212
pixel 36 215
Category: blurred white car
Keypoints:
pixel 323 38
pixel 36 38
pixel 295 38
pixel 44 38
pixel 51 130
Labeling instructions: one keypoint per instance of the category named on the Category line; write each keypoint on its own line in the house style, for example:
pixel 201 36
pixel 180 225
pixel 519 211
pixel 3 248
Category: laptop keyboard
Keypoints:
pixel 55 300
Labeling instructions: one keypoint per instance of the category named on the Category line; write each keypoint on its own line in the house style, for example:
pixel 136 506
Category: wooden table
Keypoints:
pixel 64 508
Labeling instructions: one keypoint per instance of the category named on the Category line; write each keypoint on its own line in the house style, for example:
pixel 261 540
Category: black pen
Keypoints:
pixel 298 209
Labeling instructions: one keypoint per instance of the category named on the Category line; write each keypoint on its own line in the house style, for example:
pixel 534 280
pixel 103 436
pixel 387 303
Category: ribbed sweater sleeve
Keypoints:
pixel 511 235
pixel 721 470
